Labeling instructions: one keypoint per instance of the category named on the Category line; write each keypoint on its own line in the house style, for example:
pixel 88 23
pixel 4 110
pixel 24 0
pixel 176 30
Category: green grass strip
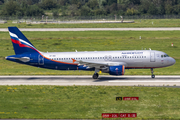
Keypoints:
pixel 79 102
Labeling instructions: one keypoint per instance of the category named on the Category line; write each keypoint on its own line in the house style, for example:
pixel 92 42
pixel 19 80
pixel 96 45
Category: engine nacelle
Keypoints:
pixel 117 70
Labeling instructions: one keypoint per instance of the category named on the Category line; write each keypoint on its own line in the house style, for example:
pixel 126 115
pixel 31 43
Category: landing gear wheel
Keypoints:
pixel 152 76
pixel 95 76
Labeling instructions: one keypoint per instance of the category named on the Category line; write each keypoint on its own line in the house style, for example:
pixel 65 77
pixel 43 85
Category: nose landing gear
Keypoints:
pixel 152 76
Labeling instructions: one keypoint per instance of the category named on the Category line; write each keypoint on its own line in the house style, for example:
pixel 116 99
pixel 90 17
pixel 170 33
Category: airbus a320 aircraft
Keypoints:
pixel 112 62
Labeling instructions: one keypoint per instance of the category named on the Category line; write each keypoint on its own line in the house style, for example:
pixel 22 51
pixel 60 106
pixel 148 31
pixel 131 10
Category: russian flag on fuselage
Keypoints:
pixel 20 43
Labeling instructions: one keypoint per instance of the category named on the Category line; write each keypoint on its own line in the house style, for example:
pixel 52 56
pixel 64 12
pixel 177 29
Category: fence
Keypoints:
pixel 49 19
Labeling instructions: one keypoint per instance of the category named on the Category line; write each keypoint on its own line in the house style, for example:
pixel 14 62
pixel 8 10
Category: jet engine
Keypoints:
pixel 117 70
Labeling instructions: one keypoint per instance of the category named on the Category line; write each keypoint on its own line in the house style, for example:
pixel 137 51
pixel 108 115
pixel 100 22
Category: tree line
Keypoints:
pixel 88 7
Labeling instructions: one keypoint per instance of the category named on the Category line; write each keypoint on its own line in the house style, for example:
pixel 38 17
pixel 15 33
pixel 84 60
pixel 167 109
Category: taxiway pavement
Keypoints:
pixel 87 80
pixel 94 29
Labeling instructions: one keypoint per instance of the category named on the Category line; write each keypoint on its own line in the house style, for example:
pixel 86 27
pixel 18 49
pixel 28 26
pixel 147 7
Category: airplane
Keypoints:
pixel 112 62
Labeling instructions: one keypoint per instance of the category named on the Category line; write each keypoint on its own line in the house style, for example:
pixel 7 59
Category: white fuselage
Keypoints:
pixel 131 59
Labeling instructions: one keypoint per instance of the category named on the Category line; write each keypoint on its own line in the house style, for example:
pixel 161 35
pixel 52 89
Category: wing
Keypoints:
pixel 98 65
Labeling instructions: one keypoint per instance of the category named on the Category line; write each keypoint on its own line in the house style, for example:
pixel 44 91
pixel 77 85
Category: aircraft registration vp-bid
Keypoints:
pixel 112 62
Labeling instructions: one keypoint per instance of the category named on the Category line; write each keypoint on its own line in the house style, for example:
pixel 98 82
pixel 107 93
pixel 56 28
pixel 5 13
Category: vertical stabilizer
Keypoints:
pixel 20 43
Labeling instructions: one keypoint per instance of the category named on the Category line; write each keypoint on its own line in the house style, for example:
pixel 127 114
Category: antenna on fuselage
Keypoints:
pixel 149 48
pixel 76 50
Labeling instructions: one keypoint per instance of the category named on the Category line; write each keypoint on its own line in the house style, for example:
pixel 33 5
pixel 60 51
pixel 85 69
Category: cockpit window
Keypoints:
pixel 164 55
pixel 167 55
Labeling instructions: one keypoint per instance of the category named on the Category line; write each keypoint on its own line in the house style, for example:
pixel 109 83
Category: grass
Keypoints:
pixel 138 24
pixel 79 102
pixel 92 41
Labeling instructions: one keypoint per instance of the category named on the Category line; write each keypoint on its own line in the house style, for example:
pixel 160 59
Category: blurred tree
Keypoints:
pixel 29 2
pixel 1 2
pixel 10 8
pixel 85 11
pixel 168 7
pixel 144 6
pixel 131 11
pixel 135 2
pixel 176 9
pixel 55 13
pixel 161 9
pixel 99 12
pixel 110 2
pixel 48 4
pixel 20 13
pixel 107 9
pixel 152 9
pixel 62 2
pixel 73 10
pixel 34 10
pixel 104 3
pixel 74 1
pixel 93 4
pixel 178 1
pixel 113 8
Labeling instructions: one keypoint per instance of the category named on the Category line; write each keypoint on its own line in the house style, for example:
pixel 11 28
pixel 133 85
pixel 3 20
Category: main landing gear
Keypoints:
pixel 152 76
pixel 96 75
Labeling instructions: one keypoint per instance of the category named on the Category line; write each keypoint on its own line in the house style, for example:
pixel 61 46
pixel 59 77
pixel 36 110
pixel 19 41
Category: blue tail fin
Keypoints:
pixel 20 43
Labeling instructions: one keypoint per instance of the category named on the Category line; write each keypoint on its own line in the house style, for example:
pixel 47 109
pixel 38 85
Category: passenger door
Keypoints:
pixel 41 60
pixel 152 57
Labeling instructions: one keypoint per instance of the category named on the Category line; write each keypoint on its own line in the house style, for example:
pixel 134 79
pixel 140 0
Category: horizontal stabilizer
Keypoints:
pixel 23 59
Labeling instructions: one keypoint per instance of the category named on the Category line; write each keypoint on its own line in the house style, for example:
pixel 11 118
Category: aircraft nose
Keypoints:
pixel 173 61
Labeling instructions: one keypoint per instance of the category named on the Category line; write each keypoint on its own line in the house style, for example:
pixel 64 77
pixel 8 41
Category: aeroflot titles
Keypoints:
pixel 132 52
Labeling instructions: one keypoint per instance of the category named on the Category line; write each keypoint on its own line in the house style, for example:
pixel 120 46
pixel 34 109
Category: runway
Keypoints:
pixel 87 80
pixel 94 29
